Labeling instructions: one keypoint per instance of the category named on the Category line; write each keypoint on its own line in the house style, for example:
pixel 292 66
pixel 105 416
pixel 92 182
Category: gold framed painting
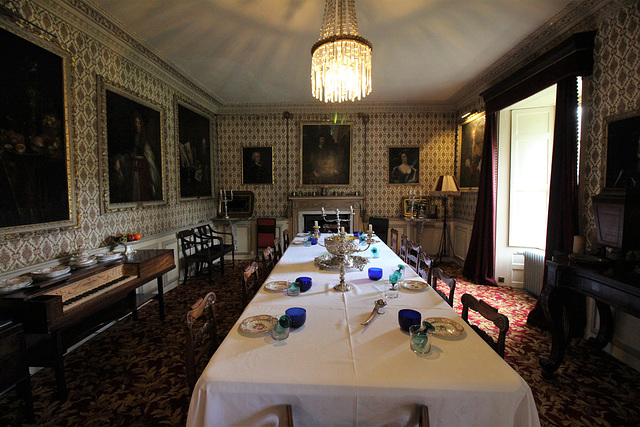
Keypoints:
pixel 131 150
pixel 471 137
pixel 325 154
pixel 194 151
pixel 37 167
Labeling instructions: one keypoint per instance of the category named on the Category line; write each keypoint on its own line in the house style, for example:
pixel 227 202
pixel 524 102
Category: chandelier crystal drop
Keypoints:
pixel 341 59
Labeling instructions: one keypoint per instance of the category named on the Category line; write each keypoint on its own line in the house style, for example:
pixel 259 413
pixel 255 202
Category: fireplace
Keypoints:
pixel 306 210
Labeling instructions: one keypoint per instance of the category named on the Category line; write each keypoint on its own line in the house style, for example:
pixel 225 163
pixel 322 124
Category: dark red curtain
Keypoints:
pixel 562 219
pixel 479 265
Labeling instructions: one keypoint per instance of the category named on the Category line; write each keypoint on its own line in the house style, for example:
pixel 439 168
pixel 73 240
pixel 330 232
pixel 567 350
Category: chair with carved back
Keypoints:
pixel 402 252
pixel 250 282
pixel 393 242
pixel 206 231
pixel 277 250
pixel 286 240
pixel 440 277
pixel 267 262
pixel 425 264
pixel 413 250
pixel 424 416
pixel 198 254
pixel 469 302
pixel 265 233
pixel 201 332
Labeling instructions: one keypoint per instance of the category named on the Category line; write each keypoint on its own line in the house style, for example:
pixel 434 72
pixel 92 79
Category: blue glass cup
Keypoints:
pixel 408 318
pixel 314 241
pixel 304 283
pixel 298 316
pixel 375 273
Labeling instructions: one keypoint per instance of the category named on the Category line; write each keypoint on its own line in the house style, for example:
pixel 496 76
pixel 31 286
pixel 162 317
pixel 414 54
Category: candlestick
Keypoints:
pixel 370 227
pixel 315 223
pixel 341 229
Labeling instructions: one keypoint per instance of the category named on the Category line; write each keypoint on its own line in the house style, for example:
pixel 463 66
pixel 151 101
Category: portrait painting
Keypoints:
pixel 623 151
pixel 36 165
pixel 404 165
pixel 326 154
pixel 194 153
pixel 256 165
pixel 133 149
pixel 471 134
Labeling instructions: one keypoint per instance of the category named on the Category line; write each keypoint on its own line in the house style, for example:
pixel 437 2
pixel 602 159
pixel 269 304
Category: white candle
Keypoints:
pixel 370 227
pixel 221 193
pixel 315 223
pixel 232 194
pixel 342 229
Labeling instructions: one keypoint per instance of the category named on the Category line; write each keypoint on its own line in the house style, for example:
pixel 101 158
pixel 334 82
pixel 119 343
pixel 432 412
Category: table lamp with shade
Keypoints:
pixel 444 187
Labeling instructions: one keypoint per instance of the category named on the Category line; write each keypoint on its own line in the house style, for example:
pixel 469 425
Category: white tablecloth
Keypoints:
pixel 334 371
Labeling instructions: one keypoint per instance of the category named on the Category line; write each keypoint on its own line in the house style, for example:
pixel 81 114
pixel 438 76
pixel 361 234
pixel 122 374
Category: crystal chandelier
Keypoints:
pixel 341 59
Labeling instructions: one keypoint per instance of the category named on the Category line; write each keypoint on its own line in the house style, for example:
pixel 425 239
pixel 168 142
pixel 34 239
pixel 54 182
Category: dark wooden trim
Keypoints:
pixel 573 57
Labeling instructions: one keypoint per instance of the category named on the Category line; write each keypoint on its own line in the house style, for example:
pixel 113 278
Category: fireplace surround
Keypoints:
pixel 311 208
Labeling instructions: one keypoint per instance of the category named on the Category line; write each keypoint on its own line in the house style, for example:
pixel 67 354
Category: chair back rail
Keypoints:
pixel 393 243
pixel 250 282
pixel 439 276
pixel 402 253
pixel 413 250
pixel 490 313
pixel 201 337
pixel 425 263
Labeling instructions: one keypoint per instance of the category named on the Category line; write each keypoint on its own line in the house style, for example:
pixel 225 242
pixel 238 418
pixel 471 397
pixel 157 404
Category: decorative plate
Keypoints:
pixel 446 327
pixel 85 263
pixel 414 285
pixel 50 272
pixel 109 256
pixel 277 286
pixel 256 324
pixel 15 284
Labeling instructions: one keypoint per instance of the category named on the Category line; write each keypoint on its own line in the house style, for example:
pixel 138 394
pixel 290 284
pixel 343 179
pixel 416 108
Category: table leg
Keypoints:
pixel 605 331
pixel 161 298
pixel 552 306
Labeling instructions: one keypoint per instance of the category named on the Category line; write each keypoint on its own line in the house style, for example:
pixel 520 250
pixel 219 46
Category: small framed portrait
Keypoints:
pixel 623 151
pixel 326 154
pixel 257 165
pixel 404 165
pixel 471 134
pixel 194 153
pixel 132 159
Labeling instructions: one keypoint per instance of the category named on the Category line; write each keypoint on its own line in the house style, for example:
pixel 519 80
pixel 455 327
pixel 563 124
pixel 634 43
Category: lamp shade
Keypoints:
pixel 445 185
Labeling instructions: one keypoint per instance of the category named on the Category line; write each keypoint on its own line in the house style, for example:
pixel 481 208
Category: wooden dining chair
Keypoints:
pixel 277 250
pixel 290 422
pixel 197 252
pixel 425 263
pixel 267 262
pixel 424 416
pixel 438 276
pixel 402 253
pixel 285 239
pixel 265 233
pixel 201 337
pixel 206 231
pixel 490 313
pixel 393 242
pixel 250 282
pixel 413 250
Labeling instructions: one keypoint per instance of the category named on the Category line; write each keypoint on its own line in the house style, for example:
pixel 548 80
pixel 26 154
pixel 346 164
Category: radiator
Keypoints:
pixel 533 271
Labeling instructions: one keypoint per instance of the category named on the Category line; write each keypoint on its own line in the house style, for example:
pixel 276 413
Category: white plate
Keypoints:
pixel 15 284
pixel 109 256
pixel 276 286
pixel 256 324
pixel 414 285
pixel 50 272
pixel 446 327
pixel 86 263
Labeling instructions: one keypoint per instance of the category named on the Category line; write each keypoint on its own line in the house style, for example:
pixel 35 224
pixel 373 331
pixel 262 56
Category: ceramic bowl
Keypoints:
pixel 298 316
pixel 305 283
pixel 408 318
pixel 375 273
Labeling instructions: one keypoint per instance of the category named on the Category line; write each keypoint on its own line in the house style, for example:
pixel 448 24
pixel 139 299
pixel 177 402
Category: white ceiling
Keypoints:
pixel 259 51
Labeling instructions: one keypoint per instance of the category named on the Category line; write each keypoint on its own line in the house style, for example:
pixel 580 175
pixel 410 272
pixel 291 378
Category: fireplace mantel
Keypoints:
pixel 305 205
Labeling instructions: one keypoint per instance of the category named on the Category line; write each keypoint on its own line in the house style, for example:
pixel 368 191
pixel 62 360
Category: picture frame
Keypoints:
pixel 622 161
pixel 194 150
pixel 132 154
pixel 471 137
pixel 325 154
pixel 404 165
pixel 257 165
pixel 241 206
pixel 37 166
pixel 420 206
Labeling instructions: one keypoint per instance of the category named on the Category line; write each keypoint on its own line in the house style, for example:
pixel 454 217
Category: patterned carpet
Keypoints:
pixel 132 374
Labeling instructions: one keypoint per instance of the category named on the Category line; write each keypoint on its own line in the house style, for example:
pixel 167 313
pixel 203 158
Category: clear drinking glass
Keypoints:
pixel 392 292
pixel 294 289
pixel 281 327
pixel 420 342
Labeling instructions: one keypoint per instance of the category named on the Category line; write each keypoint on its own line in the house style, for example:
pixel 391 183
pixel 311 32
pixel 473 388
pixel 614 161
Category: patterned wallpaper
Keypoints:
pixel 614 89
pixel 432 132
pixel 101 47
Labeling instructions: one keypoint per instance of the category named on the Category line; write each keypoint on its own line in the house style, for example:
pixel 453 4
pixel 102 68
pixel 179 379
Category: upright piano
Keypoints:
pixel 60 312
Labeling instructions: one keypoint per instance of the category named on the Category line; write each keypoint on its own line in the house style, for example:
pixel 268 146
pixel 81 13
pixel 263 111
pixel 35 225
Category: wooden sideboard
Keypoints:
pixel 609 287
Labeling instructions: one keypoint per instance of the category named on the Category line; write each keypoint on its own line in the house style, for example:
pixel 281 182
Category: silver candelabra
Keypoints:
pixel 225 198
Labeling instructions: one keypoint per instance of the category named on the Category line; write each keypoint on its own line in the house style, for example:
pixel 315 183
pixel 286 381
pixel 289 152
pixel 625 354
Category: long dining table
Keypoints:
pixel 335 371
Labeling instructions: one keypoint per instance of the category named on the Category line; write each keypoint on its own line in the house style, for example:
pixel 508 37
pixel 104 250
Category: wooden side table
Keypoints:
pixel 14 371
